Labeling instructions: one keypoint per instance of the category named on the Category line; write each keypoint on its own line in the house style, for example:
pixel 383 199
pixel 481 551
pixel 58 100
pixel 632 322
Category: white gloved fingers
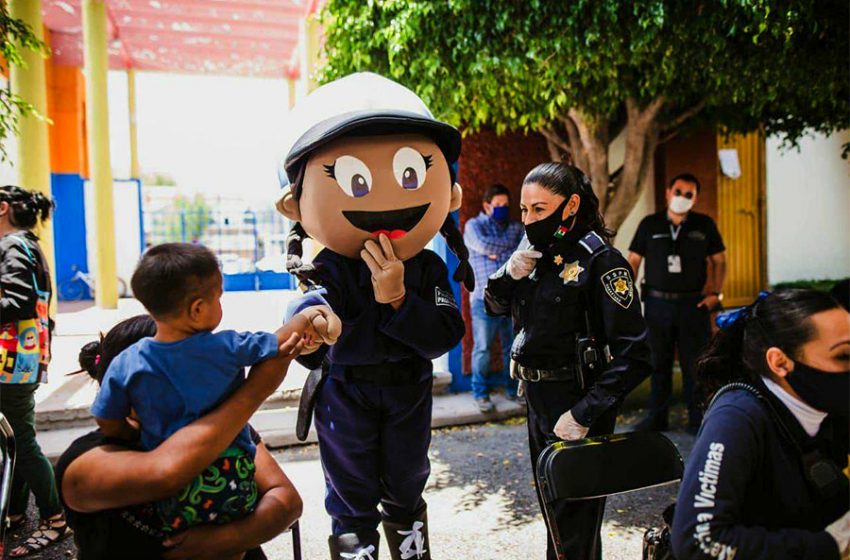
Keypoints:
pixel 568 429
pixel 522 263
pixel 840 531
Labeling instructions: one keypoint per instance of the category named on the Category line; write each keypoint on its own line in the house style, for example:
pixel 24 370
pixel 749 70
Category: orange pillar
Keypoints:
pixel 66 108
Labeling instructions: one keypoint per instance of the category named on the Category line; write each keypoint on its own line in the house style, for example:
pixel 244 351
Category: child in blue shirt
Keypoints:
pixel 183 372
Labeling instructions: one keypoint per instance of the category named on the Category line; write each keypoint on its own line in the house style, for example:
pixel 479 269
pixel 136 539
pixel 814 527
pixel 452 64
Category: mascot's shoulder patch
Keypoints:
pixel 444 297
pixel 619 287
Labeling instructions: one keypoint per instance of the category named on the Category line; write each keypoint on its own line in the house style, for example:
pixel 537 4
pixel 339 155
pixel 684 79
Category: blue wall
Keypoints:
pixel 460 382
pixel 69 225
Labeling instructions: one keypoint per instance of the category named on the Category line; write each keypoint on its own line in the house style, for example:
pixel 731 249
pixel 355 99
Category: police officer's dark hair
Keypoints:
pixel 27 207
pixel 686 177
pixel 496 190
pixel 782 319
pixel 566 180
pixel 307 274
pixel 96 356
pixel 172 275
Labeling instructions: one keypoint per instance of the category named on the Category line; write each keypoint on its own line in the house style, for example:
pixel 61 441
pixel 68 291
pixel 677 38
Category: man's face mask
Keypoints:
pixel 823 390
pixel 682 202
pixel 500 213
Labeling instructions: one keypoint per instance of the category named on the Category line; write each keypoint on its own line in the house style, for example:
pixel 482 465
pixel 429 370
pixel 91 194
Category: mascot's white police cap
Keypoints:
pixel 362 101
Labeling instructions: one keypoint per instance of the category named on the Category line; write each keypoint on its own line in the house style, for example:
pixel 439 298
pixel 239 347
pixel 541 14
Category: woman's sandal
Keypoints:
pixel 15 522
pixel 49 532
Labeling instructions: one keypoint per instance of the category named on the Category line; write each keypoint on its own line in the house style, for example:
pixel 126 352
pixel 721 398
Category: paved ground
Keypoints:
pixel 481 499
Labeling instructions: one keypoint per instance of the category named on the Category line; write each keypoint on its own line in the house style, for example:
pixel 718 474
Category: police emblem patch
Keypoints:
pixel 444 297
pixel 618 286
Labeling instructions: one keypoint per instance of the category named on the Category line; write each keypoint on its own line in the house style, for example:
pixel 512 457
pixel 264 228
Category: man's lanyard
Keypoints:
pixel 674 234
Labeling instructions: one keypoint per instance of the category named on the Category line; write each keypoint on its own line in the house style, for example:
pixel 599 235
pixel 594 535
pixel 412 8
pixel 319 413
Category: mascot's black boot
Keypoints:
pixel 408 541
pixel 362 545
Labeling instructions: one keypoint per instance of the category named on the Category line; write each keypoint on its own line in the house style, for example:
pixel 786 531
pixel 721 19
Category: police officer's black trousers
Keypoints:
pixel 675 325
pixel 578 522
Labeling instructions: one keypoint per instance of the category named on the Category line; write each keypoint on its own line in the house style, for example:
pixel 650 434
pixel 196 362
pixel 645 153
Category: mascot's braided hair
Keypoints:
pixel 306 273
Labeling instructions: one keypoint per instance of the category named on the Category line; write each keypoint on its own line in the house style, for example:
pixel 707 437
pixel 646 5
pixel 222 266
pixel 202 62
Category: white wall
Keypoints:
pixel 645 204
pixel 808 210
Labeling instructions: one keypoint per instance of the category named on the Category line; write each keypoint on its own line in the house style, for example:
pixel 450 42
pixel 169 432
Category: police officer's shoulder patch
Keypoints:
pixel 444 297
pixel 618 285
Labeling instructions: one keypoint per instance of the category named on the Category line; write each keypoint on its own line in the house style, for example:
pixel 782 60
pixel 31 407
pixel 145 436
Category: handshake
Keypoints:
pixel 308 330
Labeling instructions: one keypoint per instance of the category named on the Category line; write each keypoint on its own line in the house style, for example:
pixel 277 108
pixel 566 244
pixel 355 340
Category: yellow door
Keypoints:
pixel 740 218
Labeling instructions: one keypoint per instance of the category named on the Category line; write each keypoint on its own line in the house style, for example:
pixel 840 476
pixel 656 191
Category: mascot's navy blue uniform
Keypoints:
pixel 368 175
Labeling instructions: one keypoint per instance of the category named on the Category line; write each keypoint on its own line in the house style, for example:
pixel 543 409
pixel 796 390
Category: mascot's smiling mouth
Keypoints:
pixel 395 224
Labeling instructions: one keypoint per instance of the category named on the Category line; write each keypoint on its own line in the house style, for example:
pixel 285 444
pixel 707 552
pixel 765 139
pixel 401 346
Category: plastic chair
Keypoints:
pixel 603 466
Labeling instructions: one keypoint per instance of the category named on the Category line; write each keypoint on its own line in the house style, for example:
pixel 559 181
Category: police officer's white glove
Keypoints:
pixel 568 429
pixel 840 531
pixel 522 262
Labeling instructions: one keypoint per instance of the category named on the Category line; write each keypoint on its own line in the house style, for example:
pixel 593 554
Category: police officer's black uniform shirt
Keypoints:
pixel 548 312
pixel 744 493
pixel 696 239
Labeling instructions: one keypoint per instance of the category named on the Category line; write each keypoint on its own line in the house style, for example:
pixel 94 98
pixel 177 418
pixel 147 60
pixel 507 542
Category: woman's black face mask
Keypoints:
pixel 823 390
pixel 543 233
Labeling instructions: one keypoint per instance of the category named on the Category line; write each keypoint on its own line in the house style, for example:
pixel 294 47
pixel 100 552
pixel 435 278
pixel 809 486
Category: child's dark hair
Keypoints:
pixel 172 275
pixel 449 230
pixel 95 357
pixel 27 207
pixel 737 353
pixel 567 180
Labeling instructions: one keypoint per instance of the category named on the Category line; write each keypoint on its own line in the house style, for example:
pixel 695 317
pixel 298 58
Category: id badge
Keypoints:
pixel 674 264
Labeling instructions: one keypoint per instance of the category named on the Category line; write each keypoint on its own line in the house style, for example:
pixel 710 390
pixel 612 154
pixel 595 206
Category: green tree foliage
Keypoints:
pixel 189 219
pixel 15 38
pixel 583 72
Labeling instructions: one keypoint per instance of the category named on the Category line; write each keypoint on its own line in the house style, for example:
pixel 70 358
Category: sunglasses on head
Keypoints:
pixel 689 195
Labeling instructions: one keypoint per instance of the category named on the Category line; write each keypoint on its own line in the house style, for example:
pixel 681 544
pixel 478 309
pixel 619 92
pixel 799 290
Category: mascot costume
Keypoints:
pixel 369 174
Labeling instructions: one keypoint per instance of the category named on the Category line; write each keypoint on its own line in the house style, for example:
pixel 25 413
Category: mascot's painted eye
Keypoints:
pixel 352 176
pixel 409 167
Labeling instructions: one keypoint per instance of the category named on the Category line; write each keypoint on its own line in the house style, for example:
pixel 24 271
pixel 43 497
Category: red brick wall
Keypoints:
pixel 486 159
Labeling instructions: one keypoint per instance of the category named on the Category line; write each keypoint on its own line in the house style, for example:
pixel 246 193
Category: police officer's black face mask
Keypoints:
pixel 543 233
pixel 823 390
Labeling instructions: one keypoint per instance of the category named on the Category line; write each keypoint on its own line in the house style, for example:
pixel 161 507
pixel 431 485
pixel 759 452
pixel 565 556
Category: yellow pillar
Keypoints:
pixel 96 59
pixel 291 91
pixel 309 41
pixel 33 158
pixel 134 143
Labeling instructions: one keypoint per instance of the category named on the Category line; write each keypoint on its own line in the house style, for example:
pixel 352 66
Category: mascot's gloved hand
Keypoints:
pixel 325 327
pixel 522 262
pixel 568 429
pixel 387 270
pixel 840 531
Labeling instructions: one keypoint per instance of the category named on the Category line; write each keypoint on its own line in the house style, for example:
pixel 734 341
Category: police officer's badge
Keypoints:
pixel 571 272
pixel 618 286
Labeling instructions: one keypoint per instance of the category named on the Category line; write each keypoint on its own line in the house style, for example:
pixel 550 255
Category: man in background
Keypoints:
pixel 679 293
pixel 491 238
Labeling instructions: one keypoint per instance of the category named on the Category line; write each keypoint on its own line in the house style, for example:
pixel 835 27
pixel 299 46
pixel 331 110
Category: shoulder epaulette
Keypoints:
pixel 592 243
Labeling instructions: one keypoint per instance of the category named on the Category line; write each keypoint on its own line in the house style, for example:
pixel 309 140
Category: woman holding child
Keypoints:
pixel 24 355
pixel 160 375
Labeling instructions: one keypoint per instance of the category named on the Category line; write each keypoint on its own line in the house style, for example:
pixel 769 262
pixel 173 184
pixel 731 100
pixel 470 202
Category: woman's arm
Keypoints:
pixel 278 508
pixel 112 476
pixel 17 294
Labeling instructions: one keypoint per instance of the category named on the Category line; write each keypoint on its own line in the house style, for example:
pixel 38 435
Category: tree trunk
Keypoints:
pixel 585 139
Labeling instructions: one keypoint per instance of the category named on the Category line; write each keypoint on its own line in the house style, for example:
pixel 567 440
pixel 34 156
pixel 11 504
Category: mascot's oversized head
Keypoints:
pixel 365 156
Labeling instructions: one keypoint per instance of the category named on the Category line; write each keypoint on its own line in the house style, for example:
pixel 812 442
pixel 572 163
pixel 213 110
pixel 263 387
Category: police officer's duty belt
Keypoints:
pixel 671 296
pixel 566 373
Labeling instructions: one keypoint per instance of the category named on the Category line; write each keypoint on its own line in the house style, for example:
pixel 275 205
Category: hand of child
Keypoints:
pixel 292 346
pixel 324 326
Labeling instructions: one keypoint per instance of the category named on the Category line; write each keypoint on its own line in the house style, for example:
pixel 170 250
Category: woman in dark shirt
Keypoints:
pixel 764 478
pixel 24 354
pixel 103 484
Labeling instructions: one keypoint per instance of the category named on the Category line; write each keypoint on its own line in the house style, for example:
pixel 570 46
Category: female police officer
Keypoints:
pixel 581 340
pixel 764 477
